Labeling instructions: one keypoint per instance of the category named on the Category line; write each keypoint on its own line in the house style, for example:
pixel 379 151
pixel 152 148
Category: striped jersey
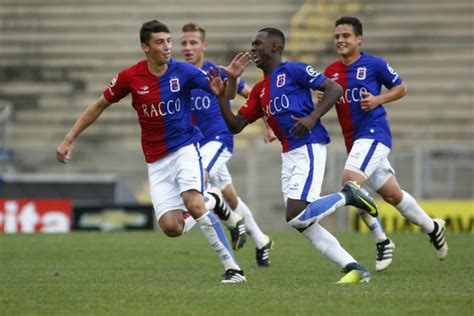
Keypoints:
pixel 163 104
pixel 283 93
pixel 367 74
pixel 207 115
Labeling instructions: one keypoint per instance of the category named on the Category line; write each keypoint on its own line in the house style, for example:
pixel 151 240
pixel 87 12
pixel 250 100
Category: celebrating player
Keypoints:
pixel 367 134
pixel 284 99
pixel 161 96
pixel 217 145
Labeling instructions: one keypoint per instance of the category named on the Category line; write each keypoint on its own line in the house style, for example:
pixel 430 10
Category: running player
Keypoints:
pixel 161 96
pixel 284 99
pixel 217 145
pixel 367 134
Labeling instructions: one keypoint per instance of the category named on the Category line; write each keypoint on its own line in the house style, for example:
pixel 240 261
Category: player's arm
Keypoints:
pixel 245 91
pixel 268 134
pixel 332 92
pixel 64 150
pixel 233 71
pixel 235 123
pixel 371 101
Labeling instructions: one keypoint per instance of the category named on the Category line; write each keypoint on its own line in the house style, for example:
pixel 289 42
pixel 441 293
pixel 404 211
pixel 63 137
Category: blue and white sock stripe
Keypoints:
pixel 320 206
pixel 380 224
pixel 369 155
pixel 220 233
pixel 214 159
pixel 200 167
pixel 309 179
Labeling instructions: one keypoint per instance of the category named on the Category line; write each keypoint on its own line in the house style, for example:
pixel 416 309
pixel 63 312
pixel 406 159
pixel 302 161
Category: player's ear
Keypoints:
pixel 275 47
pixel 145 47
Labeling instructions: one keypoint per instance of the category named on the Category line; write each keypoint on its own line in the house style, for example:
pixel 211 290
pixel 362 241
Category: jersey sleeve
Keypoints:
pixel 240 84
pixel 306 75
pixel 387 75
pixel 252 109
pixel 117 88
pixel 198 78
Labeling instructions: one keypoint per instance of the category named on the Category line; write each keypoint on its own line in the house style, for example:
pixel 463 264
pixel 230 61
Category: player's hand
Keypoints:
pixel 319 95
pixel 268 135
pixel 369 101
pixel 302 126
pixel 238 65
pixel 216 83
pixel 64 151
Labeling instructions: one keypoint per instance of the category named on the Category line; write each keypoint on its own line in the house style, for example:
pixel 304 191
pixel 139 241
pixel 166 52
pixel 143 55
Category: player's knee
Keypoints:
pixel 393 198
pixel 173 227
pixel 194 206
pixel 174 230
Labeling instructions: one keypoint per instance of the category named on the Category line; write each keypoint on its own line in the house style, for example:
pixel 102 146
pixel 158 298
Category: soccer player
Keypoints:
pixel 217 145
pixel 284 99
pixel 161 96
pixel 367 134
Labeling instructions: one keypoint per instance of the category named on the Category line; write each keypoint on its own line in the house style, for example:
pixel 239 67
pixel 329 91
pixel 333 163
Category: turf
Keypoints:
pixel 149 274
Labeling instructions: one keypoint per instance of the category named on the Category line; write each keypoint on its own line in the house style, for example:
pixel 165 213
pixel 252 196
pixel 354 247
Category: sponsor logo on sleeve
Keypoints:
pixel 112 84
pixel 312 72
pixel 393 72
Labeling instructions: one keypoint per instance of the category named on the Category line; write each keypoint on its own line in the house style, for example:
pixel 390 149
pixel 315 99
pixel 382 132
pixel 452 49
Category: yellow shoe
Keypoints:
pixel 358 275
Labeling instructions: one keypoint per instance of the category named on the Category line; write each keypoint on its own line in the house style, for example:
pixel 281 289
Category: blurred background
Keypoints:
pixel 57 56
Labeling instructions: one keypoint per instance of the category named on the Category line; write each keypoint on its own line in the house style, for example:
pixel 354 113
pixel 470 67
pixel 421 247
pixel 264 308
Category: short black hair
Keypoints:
pixel 355 22
pixel 153 26
pixel 273 32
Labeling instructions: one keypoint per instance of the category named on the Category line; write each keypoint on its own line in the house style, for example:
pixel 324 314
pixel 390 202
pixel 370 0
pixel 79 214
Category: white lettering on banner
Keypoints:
pixel 162 108
pixel 352 95
pixel 201 103
pixel 29 216
pixel 277 104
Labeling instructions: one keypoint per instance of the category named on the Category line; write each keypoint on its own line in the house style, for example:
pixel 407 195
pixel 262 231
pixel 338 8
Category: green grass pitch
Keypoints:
pixel 139 273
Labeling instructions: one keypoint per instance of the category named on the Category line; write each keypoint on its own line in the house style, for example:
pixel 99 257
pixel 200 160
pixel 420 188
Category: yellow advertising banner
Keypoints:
pixel 458 214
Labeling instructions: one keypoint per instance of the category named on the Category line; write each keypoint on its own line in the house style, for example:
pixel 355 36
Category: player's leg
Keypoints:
pixel 409 208
pixel 302 176
pixel 306 175
pixel 263 242
pixel 365 164
pixel 215 156
pixel 190 179
pixel 170 211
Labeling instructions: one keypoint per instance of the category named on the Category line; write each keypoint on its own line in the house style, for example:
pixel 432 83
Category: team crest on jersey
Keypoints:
pixel 174 85
pixel 281 79
pixel 361 72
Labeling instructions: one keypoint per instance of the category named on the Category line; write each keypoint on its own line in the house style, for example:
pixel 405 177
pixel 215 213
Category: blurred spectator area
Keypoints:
pixel 56 57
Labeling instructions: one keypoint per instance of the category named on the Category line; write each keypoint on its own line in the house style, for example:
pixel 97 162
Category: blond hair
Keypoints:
pixel 194 27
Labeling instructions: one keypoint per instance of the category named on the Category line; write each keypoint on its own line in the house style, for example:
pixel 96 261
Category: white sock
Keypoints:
pixel 189 223
pixel 374 224
pixel 409 208
pixel 328 245
pixel 214 233
pixel 317 210
pixel 252 228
